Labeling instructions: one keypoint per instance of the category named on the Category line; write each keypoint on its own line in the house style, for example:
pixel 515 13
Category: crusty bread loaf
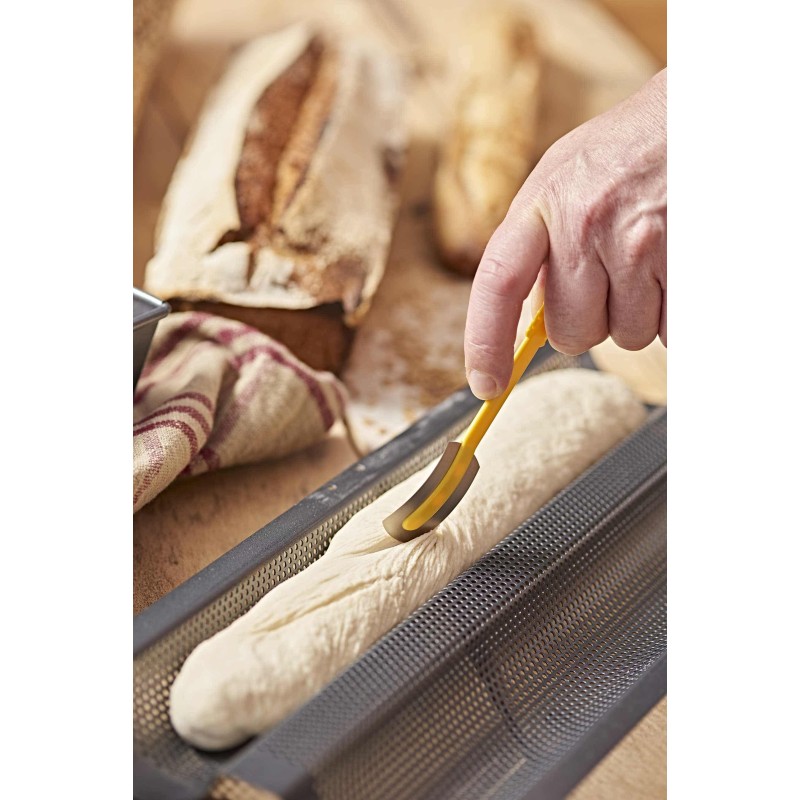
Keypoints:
pixel 489 149
pixel 281 210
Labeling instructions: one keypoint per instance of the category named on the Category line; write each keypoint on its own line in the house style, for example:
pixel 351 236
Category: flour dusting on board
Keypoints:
pixel 408 355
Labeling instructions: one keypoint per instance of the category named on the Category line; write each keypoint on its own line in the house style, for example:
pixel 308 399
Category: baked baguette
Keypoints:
pixel 281 210
pixel 252 674
pixel 489 149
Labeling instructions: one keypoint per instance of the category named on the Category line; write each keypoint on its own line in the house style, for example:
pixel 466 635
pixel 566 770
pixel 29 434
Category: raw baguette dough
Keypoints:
pixel 252 674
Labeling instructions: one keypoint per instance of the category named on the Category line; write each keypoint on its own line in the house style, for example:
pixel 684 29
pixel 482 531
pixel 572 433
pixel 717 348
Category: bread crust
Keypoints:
pixel 489 149
pixel 282 202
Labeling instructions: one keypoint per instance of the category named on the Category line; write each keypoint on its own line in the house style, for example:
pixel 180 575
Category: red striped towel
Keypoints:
pixel 214 393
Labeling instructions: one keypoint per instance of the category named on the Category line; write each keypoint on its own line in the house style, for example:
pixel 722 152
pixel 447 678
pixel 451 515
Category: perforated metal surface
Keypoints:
pixel 156 668
pixel 512 697
pixel 491 684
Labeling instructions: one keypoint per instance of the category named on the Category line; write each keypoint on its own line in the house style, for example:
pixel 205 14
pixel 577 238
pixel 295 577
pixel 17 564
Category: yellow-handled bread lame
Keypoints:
pixel 457 467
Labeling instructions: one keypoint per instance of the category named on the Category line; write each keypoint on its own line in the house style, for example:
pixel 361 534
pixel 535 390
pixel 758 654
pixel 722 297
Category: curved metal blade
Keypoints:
pixel 394 522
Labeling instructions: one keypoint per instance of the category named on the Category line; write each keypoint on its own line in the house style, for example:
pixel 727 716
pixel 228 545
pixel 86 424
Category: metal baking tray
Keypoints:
pixel 512 682
pixel 147 311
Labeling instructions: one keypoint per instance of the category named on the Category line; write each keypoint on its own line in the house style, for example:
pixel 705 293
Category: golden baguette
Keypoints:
pixel 489 149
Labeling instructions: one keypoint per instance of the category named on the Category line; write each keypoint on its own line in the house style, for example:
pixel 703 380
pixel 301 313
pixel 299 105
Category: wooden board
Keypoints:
pixel 635 768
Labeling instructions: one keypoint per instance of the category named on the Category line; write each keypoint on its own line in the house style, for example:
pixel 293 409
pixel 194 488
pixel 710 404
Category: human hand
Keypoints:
pixel 590 223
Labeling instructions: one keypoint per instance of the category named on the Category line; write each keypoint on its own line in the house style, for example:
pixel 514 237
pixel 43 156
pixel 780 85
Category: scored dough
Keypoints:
pixel 252 674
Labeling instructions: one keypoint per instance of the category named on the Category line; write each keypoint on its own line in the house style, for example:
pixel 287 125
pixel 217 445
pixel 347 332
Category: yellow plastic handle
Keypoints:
pixel 535 337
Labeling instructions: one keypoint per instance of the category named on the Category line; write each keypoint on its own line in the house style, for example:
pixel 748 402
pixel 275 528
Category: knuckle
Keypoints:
pixel 573 332
pixel 641 240
pixel 482 351
pixel 595 212
pixel 592 217
pixel 497 277
pixel 479 351
pixel 633 316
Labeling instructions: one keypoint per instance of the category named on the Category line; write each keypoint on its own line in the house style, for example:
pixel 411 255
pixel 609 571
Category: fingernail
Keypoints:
pixel 483 386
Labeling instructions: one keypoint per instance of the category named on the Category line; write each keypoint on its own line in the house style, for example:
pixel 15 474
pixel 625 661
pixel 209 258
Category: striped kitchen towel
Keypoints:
pixel 214 393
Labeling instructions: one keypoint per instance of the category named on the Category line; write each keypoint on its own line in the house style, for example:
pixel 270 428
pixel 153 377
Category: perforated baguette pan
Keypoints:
pixel 512 682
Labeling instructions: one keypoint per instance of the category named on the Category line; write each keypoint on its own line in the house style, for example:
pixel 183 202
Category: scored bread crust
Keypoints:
pixel 286 195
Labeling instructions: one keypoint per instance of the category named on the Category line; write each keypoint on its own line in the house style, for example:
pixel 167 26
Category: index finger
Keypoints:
pixel 505 277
